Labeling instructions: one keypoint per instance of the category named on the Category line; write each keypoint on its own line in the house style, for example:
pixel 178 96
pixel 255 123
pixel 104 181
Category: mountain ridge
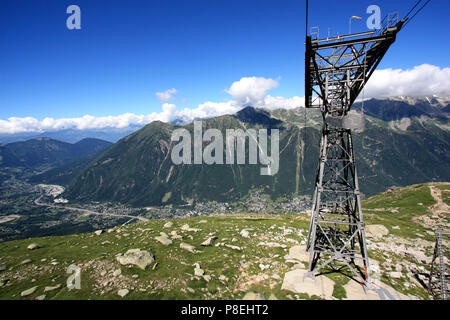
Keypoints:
pixel 137 170
pixel 44 151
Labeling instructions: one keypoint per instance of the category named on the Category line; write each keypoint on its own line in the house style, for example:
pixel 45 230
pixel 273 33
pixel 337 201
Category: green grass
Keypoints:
pixel 410 202
pixel 173 263
pixel 174 273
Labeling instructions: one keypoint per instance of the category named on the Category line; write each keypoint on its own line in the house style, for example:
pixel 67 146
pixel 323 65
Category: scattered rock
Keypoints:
pixel 2 267
pixel 198 272
pixel 98 232
pixel 207 278
pixel 187 247
pixel 186 227
pixel 47 289
pixel 155 265
pixel 163 238
pixel 26 261
pixel 223 278
pixel 209 242
pixel 272 245
pixel 395 274
pixel 28 292
pixel 244 233
pixel 123 292
pixel 117 273
pixel 253 295
pixel 190 290
pixel 137 257
pixel 376 231
pixel 33 246
pixel 221 244
pixel 276 276
pixel 176 236
pixel 233 247
pixel 41 297
pixel 168 224
pixel 263 266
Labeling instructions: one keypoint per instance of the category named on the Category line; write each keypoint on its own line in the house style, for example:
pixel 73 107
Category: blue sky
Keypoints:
pixel 126 51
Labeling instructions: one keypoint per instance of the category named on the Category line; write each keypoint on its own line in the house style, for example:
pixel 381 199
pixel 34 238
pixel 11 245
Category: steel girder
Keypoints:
pixel 437 283
pixel 336 231
pixel 336 70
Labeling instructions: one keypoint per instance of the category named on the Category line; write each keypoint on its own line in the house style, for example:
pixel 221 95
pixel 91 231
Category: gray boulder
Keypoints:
pixel 187 247
pixel 163 238
pixel 33 246
pixel 209 242
pixel 376 231
pixel 123 292
pixel 137 257
pixel 28 292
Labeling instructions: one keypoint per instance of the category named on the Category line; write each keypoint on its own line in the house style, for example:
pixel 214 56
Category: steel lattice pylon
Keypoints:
pixel 336 70
pixel 437 285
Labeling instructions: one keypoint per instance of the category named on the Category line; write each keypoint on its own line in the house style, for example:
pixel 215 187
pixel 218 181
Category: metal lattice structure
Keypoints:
pixel 437 285
pixel 336 70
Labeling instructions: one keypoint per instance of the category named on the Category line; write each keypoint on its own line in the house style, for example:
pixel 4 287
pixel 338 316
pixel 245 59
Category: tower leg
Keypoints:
pixel 336 235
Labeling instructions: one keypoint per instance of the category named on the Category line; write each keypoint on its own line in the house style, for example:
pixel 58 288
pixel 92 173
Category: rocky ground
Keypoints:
pixel 238 256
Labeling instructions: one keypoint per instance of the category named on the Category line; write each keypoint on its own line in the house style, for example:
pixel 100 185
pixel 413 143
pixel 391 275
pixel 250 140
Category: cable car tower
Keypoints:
pixel 336 71
pixel 439 273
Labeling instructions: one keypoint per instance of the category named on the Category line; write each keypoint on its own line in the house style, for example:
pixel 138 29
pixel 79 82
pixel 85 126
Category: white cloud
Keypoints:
pixel 166 95
pixel 421 80
pixel 273 103
pixel 251 90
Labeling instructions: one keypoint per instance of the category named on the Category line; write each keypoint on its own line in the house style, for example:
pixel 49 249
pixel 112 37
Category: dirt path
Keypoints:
pixel 441 206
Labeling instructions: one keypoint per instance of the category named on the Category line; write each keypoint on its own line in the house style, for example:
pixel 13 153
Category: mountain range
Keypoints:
pixel 46 152
pixel 405 141
pixel 72 135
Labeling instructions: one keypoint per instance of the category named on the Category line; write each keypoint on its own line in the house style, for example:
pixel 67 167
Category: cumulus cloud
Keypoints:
pixel 273 103
pixel 423 80
pixel 419 81
pixel 251 90
pixel 166 95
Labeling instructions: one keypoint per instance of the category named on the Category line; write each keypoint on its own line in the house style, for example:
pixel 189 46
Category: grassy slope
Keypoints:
pixel 174 272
